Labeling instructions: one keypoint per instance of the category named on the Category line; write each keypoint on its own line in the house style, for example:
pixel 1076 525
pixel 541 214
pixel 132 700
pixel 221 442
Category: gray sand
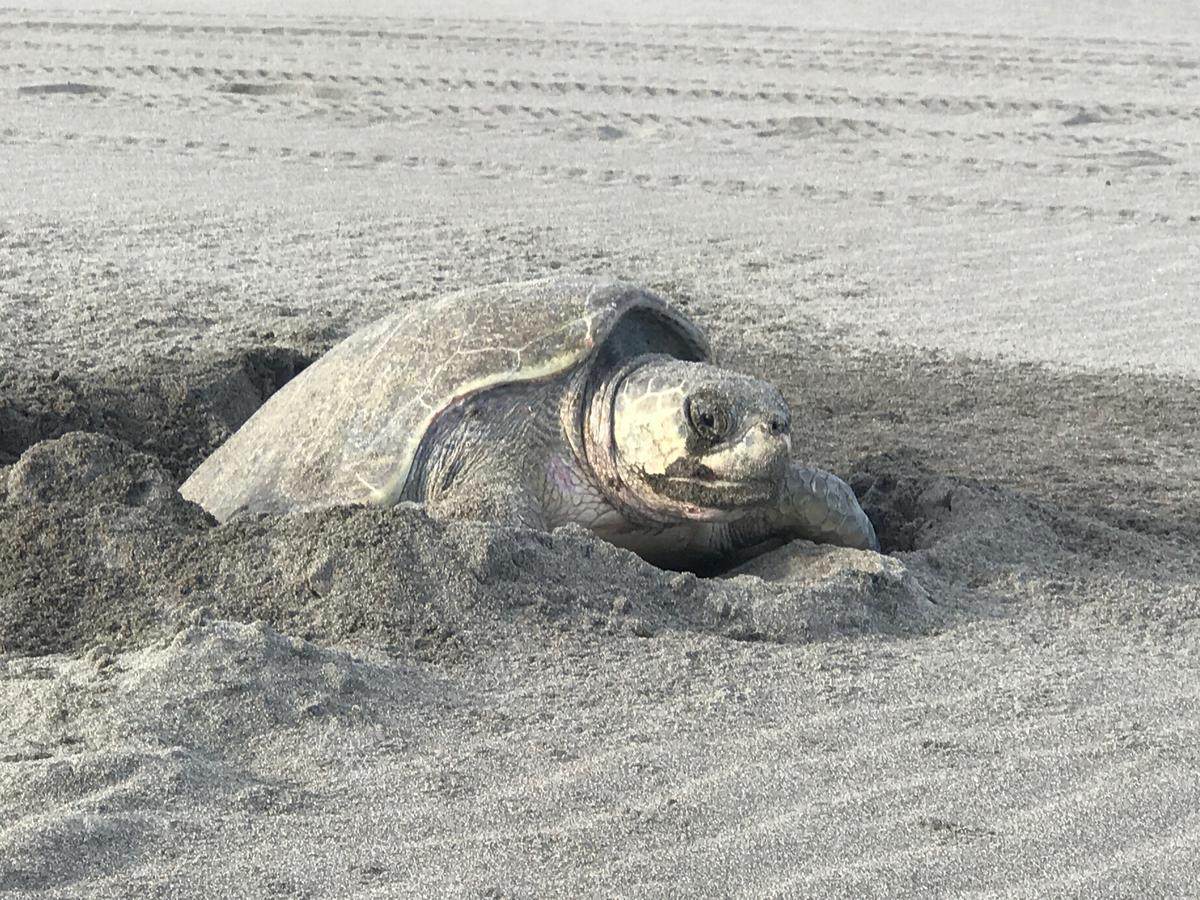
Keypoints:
pixel 965 247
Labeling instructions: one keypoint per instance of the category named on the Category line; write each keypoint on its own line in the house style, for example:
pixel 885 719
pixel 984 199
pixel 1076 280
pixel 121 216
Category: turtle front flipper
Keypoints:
pixel 814 505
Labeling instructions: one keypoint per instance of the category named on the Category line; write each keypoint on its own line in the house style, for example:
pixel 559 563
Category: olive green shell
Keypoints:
pixel 346 429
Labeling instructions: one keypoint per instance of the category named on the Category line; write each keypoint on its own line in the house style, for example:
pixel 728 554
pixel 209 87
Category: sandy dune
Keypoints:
pixel 965 245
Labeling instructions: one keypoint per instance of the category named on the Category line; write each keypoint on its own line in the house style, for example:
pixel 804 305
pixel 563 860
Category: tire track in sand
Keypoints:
pixel 320 95
pixel 601 177
pixel 886 45
pixel 530 83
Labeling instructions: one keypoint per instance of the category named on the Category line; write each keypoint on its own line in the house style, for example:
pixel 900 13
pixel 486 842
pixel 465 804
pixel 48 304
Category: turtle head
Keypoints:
pixel 693 441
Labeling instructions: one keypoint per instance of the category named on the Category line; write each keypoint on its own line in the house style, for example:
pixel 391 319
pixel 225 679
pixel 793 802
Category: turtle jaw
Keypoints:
pixel 708 498
pixel 642 440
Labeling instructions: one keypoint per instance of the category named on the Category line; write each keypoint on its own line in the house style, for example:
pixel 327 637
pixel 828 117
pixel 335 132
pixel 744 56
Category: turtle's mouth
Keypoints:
pixel 708 497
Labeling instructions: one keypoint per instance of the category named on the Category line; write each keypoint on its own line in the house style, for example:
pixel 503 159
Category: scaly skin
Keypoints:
pixel 814 505
pixel 643 478
pixel 504 455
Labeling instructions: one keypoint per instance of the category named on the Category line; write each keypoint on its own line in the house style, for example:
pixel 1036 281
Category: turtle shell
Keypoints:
pixel 346 429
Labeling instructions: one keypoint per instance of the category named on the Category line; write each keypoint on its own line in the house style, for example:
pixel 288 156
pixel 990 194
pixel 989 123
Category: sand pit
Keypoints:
pixel 964 248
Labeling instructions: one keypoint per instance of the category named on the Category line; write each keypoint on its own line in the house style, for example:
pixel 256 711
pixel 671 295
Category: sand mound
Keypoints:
pixel 177 410
pixel 100 548
pixel 120 557
pixel 175 727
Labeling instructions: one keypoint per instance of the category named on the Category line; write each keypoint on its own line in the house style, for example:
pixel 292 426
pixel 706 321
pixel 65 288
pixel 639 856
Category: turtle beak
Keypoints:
pixel 761 455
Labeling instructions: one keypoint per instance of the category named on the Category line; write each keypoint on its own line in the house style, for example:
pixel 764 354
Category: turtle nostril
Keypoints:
pixel 778 425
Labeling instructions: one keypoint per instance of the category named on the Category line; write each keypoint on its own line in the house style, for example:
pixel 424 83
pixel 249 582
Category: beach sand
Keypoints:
pixel 965 243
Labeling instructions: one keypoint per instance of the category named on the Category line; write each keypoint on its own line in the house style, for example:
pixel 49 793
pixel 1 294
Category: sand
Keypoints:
pixel 962 238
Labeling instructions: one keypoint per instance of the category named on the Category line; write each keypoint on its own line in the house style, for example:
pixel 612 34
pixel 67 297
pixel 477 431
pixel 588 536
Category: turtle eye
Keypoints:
pixel 709 418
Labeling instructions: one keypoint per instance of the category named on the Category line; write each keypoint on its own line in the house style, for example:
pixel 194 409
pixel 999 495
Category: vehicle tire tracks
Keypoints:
pixel 885 102
pixel 502 168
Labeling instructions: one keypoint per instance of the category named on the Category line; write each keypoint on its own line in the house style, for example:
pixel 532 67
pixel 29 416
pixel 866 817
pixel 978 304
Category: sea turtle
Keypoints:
pixel 540 403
